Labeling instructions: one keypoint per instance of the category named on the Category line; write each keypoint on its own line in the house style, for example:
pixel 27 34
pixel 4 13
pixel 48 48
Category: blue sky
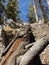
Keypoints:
pixel 23 7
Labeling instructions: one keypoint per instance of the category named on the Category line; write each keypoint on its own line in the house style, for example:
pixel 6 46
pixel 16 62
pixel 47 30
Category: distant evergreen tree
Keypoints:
pixel 44 10
pixel 1 10
pixel 12 9
pixel 31 14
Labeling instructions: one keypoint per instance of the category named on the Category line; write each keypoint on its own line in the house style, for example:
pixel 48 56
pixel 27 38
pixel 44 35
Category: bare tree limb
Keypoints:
pixel 29 45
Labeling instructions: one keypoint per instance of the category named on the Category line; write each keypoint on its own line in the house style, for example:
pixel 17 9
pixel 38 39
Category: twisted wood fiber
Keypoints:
pixel 11 50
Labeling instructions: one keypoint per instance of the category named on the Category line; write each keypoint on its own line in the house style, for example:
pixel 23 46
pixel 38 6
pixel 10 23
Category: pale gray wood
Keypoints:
pixel 34 50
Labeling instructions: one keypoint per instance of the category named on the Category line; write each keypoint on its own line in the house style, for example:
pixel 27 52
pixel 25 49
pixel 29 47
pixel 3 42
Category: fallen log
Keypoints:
pixel 36 49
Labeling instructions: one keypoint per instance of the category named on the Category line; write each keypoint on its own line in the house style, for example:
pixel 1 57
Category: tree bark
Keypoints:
pixel 48 3
pixel 35 11
pixel 42 12
pixel 36 49
pixel 19 34
pixel 26 57
pixel 11 50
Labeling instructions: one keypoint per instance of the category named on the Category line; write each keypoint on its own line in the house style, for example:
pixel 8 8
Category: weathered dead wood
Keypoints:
pixel 20 33
pixel 18 59
pixel 1 39
pixel 12 48
pixel 31 53
pixel 36 49
pixel 19 51
pixel 29 45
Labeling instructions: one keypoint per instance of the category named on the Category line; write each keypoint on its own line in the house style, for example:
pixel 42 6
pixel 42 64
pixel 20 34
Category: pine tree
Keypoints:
pixel 31 14
pixel 12 9
pixel 43 12
pixel 1 10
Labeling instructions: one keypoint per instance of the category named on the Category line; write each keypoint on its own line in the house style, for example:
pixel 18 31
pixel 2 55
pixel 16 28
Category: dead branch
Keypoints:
pixel 29 46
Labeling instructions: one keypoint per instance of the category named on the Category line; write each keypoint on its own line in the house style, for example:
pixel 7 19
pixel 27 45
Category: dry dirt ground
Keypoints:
pixel 39 30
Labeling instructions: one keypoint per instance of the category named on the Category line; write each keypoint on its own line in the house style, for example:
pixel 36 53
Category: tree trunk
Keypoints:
pixel 34 50
pixel 48 3
pixel 42 12
pixel 35 11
